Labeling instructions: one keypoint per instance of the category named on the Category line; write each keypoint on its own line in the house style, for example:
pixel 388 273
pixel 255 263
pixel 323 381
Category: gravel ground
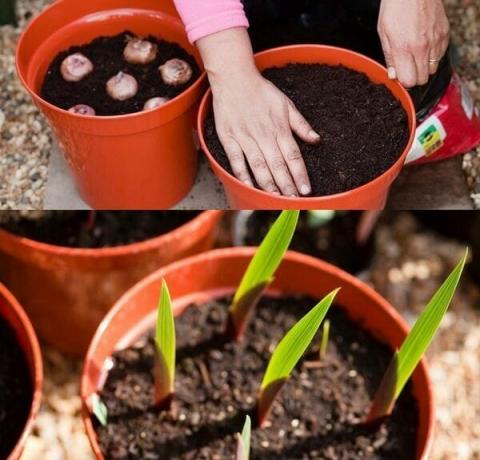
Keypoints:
pixel 407 269
pixel 465 26
pixel 25 138
pixel 26 141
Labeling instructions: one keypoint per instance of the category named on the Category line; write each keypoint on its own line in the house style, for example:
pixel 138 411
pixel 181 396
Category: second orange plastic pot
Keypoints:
pixel 13 314
pixel 218 273
pixel 145 160
pixel 372 195
pixel 67 291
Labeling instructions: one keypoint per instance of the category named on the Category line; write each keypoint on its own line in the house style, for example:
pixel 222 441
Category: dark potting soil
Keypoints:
pixel 97 229
pixel 316 414
pixel 16 390
pixel 363 128
pixel 106 54
pixel 333 241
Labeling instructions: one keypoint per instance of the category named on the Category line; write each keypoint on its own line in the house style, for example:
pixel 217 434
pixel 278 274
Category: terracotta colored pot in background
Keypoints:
pixel 67 291
pixel 13 314
pixel 372 195
pixel 145 160
pixel 217 273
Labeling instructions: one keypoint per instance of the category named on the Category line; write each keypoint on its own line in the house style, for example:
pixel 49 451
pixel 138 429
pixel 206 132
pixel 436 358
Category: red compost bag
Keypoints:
pixel 452 127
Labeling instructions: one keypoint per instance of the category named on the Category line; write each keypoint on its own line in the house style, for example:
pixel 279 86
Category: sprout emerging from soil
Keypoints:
pixel 260 271
pixel 406 359
pixel 164 351
pixel 175 72
pixel 155 102
pixel 140 51
pixel 82 109
pixel 76 67
pixel 324 340
pixel 243 441
pixel 99 409
pixel 287 354
pixel 122 87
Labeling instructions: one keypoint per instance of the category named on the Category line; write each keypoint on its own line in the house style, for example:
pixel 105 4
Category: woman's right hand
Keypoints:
pixel 254 119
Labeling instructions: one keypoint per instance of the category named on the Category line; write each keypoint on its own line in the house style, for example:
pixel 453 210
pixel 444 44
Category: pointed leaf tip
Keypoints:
pixel 165 347
pixel 288 352
pixel 261 269
pixel 99 409
pixel 243 440
pixel 406 359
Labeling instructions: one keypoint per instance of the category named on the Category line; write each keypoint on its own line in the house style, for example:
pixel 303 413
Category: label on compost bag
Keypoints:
pixel 429 138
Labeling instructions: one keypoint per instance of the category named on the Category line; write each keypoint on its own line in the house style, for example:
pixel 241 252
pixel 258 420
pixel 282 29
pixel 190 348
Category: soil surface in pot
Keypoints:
pixel 106 54
pixel 97 229
pixel 16 390
pixel 363 128
pixel 316 415
pixel 332 240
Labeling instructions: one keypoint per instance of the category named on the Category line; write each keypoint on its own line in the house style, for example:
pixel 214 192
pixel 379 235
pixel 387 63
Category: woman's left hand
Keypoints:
pixel 414 35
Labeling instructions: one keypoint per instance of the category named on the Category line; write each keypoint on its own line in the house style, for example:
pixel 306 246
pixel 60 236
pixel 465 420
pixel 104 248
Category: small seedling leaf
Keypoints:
pixel 260 271
pixel 324 340
pixel 165 348
pixel 414 347
pixel 288 352
pixel 243 441
pixel 99 409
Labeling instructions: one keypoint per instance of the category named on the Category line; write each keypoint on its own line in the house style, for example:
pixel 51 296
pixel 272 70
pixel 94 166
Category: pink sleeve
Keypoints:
pixel 205 17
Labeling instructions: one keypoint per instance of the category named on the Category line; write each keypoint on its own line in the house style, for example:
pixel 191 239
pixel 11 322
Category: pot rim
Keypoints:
pixel 225 253
pixel 36 364
pixel 291 201
pixel 196 86
pixel 114 251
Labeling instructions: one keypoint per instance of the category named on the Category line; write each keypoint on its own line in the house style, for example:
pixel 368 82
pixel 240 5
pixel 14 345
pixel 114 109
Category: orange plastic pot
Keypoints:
pixel 145 160
pixel 67 291
pixel 217 273
pixel 13 314
pixel 372 195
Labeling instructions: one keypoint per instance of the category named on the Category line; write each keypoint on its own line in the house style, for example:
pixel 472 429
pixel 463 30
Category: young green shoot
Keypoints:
pixel 243 441
pixel 99 409
pixel 406 359
pixel 260 271
pixel 164 351
pixel 287 354
pixel 324 340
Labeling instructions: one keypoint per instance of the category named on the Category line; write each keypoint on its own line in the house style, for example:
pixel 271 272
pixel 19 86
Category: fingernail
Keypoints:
pixel 305 189
pixel 275 193
pixel 392 73
pixel 247 182
pixel 293 195
pixel 313 134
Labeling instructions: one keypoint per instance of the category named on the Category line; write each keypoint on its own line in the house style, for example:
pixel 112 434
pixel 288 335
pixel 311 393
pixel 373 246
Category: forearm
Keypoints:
pixel 227 55
pixel 206 17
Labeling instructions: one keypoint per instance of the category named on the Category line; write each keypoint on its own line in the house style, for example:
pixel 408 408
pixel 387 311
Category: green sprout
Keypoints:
pixel 243 441
pixel 164 351
pixel 260 271
pixel 324 340
pixel 99 409
pixel 287 354
pixel 406 359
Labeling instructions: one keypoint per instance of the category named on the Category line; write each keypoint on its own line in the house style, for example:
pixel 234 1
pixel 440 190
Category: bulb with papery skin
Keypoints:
pixel 122 87
pixel 155 102
pixel 82 109
pixel 140 51
pixel 175 72
pixel 76 67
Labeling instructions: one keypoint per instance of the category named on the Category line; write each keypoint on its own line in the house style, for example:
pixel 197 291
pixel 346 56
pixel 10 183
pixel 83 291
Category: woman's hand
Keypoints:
pixel 414 35
pixel 254 119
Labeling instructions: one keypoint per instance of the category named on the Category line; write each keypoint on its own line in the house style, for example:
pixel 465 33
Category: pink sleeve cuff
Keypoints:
pixel 202 18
